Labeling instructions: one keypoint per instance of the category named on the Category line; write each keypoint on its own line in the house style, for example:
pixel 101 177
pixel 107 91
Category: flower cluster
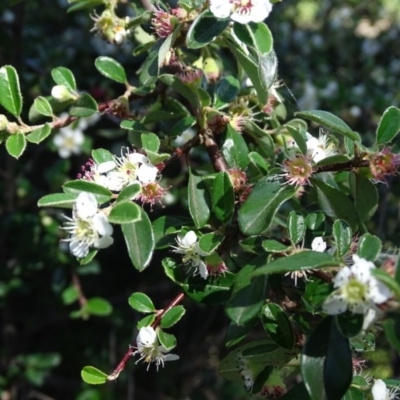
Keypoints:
pixel 190 248
pixel 150 349
pixel 242 11
pixel 357 290
pixel 130 167
pixel 88 227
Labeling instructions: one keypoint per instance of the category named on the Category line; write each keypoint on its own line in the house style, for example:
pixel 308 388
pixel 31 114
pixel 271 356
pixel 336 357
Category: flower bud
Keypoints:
pixel 61 93
pixel 211 69
pixel 3 122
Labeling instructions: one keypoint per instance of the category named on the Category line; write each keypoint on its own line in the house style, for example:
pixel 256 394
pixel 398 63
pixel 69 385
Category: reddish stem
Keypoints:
pixel 121 366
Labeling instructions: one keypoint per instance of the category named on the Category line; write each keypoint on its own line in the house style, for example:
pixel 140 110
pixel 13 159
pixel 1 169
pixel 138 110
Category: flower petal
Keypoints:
pixel 85 206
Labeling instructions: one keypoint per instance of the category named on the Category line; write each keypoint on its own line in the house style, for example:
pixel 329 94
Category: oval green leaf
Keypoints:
pixel 199 200
pixel 141 302
pixel 11 98
pixel 369 247
pixel 331 121
pixel 110 69
pixel 43 106
pixel 124 213
pixel 296 227
pixel 39 134
pixel 98 306
pixel 101 193
pixel 93 376
pixel 223 197
pixel 343 236
pixel 139 239
pixel 64 76
pixel 234 149
pixel 257 212
pixel 204 29
pixel 172 316
pixel 62 200
pixel 389 125
pixel 256 35
pixel 85 106
pixel 15 144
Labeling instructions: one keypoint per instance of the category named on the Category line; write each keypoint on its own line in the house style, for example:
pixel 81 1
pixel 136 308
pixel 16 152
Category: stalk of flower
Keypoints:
pixel 88 226
pixel 357 290
pixel 192 253
pixel 150 349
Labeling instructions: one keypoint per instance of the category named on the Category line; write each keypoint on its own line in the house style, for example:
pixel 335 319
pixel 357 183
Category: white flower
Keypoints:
pixel 88 227
pixel 242 11
pixel 68 141
pixel 357 290
pixel 189 246
pixel 320 148
pixel 381 392
pixel 136 166
pixel 318 244
pixel 150 350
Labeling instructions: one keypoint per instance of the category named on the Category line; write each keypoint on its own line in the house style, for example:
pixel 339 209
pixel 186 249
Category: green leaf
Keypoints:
pixel 234 149
pixel 98 306
pixel 296 227
pixel 223 197
pixel 330 121
pixel 250 67
pixel 150 142
pixel 110 69
pixel 39 134
pixel 181 126
pixel 172 316
pixel 314 220
pixel 298 137
pixel 391 327
pixel 141 302
pixel 226 91
pixel 70 295
pixel 335 204
pixel 267 65
pixel 343 236
pixel 157 54
pixel 198 200
pixel 63 76
pixel 129 192
pixel 365 196
pixel 349 324
pixel 369 247
pixel 248 295
pixel 15 144
pixel 273 246
pixel 43 106
pixel 166 229
pixel 326 364
pixel 296 262
pixel 259 163
pixel 93 376
pixel 389 125
pixel 62 200
pixel 139 240
pixel 237 333
pixel 124 213
pixel 188 93
pixel 256 35
pixel 85 106
pixel 89 257
pixel 209 242
pixel 277 325
pixel 11 98
pixel 146 321
pixel 166 339
pixel 101 193
pixel 214 290
pixel 204 29
pixel 354 394
pixel 256 214
pixel 102 155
